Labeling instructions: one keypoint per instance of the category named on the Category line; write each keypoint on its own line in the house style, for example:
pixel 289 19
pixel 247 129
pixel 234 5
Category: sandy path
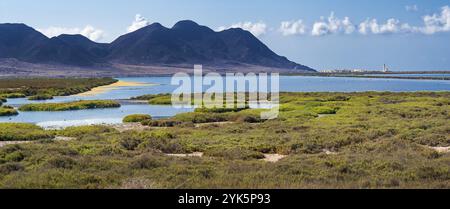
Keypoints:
pixel 440 149
pixel 4 143
pixel 195 154
pixel 324 115
pixel 273 158
pixel 199 125
pixel 328 152
pixel 63 138
pixel 57 138
pixel 116 85
pixel 130 126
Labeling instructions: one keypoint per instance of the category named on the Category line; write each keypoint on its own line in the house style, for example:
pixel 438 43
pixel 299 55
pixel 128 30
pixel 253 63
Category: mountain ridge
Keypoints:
pixel 185 43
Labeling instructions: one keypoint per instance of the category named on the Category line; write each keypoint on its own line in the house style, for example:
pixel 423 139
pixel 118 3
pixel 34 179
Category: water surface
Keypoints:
pixel 437 75
pixel 115 115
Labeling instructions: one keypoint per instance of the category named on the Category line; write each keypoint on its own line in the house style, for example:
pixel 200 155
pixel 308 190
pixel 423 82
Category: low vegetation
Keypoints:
pixel 136 118
pixel 77 131
pixel 40 97
pixel 77 105
pixel 367 140
pixel 7 111
pixel 151 96
pixel 166 99
pixel 12 96
pixel 23 132
pixel 156 99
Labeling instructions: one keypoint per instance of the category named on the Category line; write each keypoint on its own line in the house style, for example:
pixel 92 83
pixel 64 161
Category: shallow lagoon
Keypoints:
pixel 115 115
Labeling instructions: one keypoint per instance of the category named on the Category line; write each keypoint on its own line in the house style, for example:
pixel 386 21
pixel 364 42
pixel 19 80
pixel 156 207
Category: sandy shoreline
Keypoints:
pixel 116 85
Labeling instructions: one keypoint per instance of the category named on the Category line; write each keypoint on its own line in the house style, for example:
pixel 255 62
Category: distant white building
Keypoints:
pixel 359 70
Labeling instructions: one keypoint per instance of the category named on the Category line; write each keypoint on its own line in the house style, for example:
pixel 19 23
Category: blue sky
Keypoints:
pixel 323 34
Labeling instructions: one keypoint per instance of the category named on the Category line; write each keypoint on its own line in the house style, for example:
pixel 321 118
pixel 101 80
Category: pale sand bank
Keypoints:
pixel 116 85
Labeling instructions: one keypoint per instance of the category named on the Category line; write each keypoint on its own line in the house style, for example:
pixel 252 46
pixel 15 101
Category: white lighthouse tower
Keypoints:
pixel 385 68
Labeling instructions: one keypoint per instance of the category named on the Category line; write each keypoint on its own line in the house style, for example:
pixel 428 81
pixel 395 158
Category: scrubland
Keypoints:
pixel 330 140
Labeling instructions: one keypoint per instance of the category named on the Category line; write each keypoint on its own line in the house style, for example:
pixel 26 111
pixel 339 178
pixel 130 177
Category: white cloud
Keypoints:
pixel 391 26
pixel 437 22
pixel 88 31
pixel 139 22
pixel 412 8
pixel 288 28
pixel 332 25
pixel 257 29
pixel 432 24
pixel 320 29
pixel 92 33
pixel 348 25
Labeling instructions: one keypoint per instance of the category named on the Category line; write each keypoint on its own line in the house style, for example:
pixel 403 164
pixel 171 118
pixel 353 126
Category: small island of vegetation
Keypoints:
pixel 7 111
pixel 77 105
pixel 135 118
pixel 40 97
pixel 156 99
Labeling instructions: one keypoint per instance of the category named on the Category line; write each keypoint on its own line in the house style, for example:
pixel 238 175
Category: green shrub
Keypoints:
pixel 40 97
pixel 136 118
pixel 7 111
pixel 77 131
pixel 77 105
pixel 15 156
pixel 13 95
pixel 149 96
pixel 156 99
pixel 147 161
pixel 23 132
pixel 7 107
pixel 324 110
pixel 339 98
pixel 8 168
pixel 130 142
pixel 249 119
pixel 200 117
pixel 246 116
pixel 62 162
pixel 162 100
pixel 159 140
pixel 161 123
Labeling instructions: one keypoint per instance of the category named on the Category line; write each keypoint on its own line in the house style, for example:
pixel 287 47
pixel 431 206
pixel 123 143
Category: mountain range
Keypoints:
pixel 184 44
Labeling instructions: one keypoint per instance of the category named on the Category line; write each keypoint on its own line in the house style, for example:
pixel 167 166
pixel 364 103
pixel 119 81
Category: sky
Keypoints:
pixel 323 34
